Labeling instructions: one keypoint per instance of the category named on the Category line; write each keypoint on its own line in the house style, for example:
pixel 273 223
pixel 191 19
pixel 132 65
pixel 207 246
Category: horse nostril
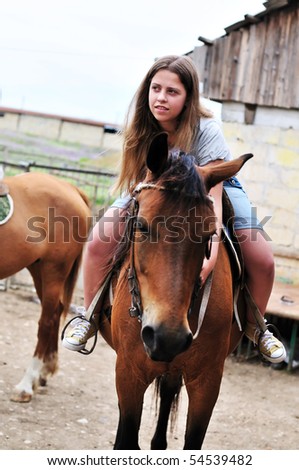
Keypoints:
pixel 164 347
pixel 148 336
pixel 188 341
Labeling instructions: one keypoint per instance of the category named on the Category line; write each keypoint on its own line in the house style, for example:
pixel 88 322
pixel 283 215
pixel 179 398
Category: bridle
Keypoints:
pixel 136 306
pixel 135 309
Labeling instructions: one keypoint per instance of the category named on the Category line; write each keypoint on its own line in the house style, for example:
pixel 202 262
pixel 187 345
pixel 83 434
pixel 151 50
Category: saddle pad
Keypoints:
pixel 6 208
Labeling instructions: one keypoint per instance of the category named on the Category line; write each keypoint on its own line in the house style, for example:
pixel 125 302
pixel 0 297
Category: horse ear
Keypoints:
pixel 158 153
pixel 213 175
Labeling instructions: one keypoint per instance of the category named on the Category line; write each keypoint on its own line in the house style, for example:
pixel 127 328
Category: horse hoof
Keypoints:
pixel 21 397
pixel 42 382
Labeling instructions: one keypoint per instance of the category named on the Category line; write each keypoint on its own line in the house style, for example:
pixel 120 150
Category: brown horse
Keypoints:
pixel 171 228
pixel 45 234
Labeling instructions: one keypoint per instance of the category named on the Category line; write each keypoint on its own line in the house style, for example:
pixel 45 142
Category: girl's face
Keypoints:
pixel 167 97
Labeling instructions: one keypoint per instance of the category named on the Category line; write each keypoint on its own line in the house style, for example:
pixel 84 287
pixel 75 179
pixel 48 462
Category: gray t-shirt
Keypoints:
pixel 209 143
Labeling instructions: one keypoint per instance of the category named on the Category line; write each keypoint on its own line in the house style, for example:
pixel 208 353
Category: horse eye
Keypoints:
pixel 142 225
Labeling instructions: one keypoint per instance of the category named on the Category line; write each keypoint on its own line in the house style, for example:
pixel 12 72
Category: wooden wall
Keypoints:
pixel 257 63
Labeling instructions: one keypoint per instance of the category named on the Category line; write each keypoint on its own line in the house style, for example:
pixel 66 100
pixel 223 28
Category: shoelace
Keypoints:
pixel 268 341
pixel 80 328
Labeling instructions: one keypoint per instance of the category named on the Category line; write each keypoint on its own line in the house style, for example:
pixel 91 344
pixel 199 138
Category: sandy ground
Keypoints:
pixel 258 407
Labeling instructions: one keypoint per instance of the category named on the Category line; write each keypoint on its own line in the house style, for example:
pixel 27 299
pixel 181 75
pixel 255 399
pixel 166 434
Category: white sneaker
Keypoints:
pixel 77 337
pixel 269 346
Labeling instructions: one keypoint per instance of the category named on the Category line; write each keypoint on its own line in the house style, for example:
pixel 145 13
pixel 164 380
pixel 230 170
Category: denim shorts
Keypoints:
pixel 245 213
pixel 122 202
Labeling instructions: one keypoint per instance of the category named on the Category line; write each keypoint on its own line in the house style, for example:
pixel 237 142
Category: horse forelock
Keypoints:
pixel 181 177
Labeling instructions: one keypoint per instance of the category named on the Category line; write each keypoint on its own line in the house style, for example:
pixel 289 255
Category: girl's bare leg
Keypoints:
pixel 100 250
pixel 259 272
pixel 97 261
pixel 259 266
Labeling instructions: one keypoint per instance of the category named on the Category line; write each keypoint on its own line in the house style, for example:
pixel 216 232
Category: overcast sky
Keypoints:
pixel 86 58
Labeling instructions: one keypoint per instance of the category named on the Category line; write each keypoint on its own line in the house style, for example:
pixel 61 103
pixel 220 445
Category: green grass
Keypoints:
pixel 17 147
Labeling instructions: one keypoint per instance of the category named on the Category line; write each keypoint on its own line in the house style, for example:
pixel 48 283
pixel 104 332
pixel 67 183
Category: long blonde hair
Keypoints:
pixel 141 126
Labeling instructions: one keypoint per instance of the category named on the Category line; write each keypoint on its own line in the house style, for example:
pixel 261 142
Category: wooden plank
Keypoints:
pixel 255 56
pixel 288 308
pixel 234 60
pixel 289 63
pixel 294 60
pixel 215 68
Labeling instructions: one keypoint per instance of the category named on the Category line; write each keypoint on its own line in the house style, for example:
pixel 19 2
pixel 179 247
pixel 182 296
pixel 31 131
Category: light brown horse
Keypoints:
pixel 171 227
pixel 45 234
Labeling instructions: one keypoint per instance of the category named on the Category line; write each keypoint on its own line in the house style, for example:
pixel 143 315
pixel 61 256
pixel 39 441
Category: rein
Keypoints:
pixel 136 305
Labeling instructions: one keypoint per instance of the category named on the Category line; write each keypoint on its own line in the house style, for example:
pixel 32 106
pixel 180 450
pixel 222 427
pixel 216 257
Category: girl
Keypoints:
pixel 168 99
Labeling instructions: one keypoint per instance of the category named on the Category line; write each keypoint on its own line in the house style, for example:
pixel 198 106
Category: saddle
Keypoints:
pixel 233 249
pixel 3 189
pixel 6 203
pixel 231 241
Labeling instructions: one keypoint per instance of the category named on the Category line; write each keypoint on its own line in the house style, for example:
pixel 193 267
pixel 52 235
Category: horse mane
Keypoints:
pixel 181 177
pixel 184 188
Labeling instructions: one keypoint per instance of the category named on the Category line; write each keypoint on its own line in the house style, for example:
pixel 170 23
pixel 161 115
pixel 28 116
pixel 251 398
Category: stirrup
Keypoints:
pixel 92 323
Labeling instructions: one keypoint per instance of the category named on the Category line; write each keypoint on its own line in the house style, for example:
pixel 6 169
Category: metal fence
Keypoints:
pixel 97 184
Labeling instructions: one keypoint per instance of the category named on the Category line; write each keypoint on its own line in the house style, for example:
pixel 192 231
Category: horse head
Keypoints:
pixel 174 223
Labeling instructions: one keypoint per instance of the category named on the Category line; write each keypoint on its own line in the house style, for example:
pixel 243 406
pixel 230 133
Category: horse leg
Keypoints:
pixel 49 289
pixel 169 388
pixel 203 393
pixel 130 392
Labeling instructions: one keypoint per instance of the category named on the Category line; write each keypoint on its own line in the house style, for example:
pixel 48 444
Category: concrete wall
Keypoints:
pixel 63 129
pixel 271 178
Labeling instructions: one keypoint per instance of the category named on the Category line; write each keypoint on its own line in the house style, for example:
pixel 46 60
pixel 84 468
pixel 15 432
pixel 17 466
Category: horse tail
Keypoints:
pixel 71 282
pixel 84 196
pixel 168 388
pixel 73 275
